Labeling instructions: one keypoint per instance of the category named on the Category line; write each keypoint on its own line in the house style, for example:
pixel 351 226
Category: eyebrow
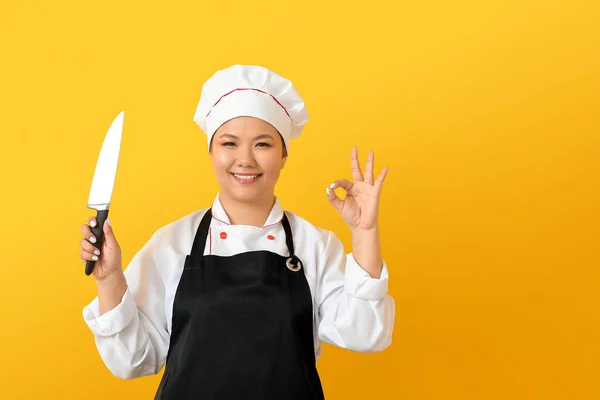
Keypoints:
pixel 263 136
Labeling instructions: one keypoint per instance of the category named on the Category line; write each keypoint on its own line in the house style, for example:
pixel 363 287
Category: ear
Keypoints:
pixel 283 160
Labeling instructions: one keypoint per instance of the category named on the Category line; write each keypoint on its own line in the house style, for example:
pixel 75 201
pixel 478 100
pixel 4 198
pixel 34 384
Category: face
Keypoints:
pixel 247 155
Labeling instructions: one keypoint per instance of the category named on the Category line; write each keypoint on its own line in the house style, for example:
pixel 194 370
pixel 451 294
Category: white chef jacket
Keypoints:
pixel 351 309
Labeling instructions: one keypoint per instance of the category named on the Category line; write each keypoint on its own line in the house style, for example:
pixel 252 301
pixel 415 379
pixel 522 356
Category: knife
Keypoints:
pixel 104 181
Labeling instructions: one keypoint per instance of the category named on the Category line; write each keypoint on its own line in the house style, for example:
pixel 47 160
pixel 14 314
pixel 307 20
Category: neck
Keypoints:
pixel 253 213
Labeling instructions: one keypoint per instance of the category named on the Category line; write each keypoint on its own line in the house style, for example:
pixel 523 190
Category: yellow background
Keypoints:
pixel 486 113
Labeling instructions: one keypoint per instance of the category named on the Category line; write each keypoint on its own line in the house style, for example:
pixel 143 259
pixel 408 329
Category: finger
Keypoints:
pixel 380 178
pixel 88 247
pixel 109 236
pixel 356 171
pixel 342 183
pixel 334 199
pixel 369 168
pixel 92 222
pixel 87 233
pixel 86 256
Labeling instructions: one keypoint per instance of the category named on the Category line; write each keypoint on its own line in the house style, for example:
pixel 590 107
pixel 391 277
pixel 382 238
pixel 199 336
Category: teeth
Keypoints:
pixel 245 177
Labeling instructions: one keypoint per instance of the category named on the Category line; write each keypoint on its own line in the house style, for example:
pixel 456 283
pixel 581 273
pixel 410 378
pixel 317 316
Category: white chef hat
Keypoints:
pixel 252 91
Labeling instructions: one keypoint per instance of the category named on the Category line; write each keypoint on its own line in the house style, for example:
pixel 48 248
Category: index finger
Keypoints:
pixel 85 229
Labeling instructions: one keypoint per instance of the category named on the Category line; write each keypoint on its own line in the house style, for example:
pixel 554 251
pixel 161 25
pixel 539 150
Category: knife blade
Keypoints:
pixel 104 181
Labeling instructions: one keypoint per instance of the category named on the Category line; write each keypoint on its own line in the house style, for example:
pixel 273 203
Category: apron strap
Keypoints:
pixel 289 240
pixel 293 263
pixel 202 233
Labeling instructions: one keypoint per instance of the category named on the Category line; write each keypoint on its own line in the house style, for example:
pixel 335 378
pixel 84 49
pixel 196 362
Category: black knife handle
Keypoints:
pixel 99 235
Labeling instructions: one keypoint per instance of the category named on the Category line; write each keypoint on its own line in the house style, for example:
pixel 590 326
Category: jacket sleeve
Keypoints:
pixel 132 338
pixel 355 310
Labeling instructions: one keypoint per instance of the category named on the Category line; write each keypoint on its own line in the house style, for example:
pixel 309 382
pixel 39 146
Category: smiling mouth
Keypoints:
pixel 246 177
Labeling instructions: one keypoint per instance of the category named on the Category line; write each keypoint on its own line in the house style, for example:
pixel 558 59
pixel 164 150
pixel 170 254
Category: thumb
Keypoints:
pixel 109 236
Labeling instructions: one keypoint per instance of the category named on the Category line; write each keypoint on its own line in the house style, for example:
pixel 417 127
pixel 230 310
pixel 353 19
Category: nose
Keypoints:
pixel 245 157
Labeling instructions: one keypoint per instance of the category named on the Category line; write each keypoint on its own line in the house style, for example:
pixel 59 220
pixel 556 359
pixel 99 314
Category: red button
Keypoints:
pixel 271 237
pixel 223 235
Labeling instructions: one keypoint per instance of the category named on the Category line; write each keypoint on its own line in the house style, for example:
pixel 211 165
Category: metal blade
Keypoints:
pixel 106 167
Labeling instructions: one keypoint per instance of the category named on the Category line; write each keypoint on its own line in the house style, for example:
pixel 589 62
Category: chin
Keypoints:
pixel 247 195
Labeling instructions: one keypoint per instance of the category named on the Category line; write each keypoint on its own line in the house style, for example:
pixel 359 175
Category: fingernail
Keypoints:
pixel 93 239
pixel 93 223
pixel 97 252
pixel 108 220
pixel 95 258
pixel 332 186
pixel 327 189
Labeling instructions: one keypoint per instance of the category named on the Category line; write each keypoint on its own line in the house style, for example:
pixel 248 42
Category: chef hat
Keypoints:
pixel 251 91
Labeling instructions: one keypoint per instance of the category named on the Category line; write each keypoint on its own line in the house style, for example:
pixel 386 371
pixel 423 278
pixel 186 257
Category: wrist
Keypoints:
pixel 111 280
pixel 111 290
pixel 371 230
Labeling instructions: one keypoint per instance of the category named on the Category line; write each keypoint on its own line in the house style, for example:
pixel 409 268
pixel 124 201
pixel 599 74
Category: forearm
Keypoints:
pixel 110 291
pixel 366 249
pixel 132 342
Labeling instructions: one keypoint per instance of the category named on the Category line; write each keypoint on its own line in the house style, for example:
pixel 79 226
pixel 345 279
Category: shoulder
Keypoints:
pixel 179 234
pixel 308 233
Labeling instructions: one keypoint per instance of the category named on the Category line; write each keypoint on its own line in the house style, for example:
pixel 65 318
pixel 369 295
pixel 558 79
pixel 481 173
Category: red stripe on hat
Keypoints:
pixel 257 90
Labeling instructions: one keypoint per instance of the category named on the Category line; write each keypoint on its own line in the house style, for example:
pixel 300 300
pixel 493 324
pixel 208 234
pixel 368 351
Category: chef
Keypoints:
pixel 235 299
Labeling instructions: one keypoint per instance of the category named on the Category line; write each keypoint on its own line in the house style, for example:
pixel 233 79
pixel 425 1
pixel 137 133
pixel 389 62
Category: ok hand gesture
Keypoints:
pixel 360 208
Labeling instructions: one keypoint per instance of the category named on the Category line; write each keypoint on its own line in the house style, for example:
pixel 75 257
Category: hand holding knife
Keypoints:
pixel 103 182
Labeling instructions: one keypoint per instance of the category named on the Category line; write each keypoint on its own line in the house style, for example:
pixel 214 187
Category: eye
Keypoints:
pixel 228 144
pixel 263 144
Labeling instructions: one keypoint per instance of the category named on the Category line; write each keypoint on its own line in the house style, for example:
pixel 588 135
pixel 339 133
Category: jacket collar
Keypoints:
pixel 275 216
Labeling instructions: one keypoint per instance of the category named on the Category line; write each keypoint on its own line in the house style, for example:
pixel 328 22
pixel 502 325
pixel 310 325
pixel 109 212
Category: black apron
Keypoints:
pixel 242 327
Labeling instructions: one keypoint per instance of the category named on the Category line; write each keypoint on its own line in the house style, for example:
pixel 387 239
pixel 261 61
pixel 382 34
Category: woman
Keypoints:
pixel 235 299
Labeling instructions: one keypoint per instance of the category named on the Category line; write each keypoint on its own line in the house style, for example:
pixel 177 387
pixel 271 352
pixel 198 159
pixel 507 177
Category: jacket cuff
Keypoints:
pixel 113 321
pixel 359 284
